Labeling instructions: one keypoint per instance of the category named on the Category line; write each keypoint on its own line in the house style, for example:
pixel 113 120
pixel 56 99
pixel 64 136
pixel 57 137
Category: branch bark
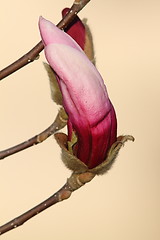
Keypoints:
pixel 59 123
pixel 34 52
pixel 76 180
pixel 73 183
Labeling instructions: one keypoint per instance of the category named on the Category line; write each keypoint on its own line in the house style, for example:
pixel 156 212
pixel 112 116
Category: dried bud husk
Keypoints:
pixel 70 161
pixel 55 90
pixel 89 46
pixel 112 154
pixel 77 166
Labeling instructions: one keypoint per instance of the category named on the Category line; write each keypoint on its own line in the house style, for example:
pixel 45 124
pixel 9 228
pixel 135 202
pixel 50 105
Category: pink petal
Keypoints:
pixel 81 84
pixel 51 34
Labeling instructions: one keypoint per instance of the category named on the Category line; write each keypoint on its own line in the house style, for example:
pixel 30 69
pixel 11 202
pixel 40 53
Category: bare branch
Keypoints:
pixel 73 183
pixel 59 123
pixel 34 52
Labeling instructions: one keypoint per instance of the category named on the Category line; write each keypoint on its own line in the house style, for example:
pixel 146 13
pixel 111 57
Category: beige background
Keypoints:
pixel 123 204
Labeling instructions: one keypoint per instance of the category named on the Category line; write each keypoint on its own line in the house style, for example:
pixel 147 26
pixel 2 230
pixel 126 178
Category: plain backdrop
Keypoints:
pixel 124 203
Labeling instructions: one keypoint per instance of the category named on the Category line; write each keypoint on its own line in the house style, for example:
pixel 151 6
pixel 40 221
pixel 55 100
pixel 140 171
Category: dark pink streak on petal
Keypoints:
pixel 100 138
pixel 113 137
pixel 76 29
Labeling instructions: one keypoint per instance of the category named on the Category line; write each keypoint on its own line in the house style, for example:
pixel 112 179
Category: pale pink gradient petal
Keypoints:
pixel 80 82
pixel 52 34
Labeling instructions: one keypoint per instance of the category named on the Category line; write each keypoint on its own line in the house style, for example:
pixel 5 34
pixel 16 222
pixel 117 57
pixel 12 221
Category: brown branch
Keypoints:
pixel 59 123
pixel 73 183
pixel 34 52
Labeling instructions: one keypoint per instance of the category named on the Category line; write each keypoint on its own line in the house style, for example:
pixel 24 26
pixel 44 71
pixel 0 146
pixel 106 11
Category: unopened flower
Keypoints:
pixel 80 32
pixel 92 125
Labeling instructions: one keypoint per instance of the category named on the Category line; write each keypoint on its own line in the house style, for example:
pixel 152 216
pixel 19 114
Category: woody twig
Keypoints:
pixel 73 183
pixel 35 51
pixel 59 123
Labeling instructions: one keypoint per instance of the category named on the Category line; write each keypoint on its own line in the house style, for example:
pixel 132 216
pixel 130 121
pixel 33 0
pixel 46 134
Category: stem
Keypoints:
pixel 58 124
pixel 62 194
pixel 73 183
pixel 34 52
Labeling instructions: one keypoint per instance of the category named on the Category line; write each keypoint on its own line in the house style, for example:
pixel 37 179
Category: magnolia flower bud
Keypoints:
pixel 92 125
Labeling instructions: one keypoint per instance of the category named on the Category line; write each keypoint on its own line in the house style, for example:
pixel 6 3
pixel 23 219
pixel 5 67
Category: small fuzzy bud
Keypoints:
pixel 55 91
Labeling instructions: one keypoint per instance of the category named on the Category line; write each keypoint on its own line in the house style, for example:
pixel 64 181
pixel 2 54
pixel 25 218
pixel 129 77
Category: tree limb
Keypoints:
pixel 59 123
pixel 73 183
pixel 34 52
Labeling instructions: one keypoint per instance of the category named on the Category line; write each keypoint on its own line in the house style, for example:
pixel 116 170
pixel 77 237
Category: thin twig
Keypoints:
pixel 26 144
pixel 59 123
pixel 34 52
pixel 73 183
pixel 29 57
pixel 18 221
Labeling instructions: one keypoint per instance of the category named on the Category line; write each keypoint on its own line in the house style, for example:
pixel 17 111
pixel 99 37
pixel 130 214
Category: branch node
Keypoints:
pixel 78 180
pixel 78 2
pixel 64 194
